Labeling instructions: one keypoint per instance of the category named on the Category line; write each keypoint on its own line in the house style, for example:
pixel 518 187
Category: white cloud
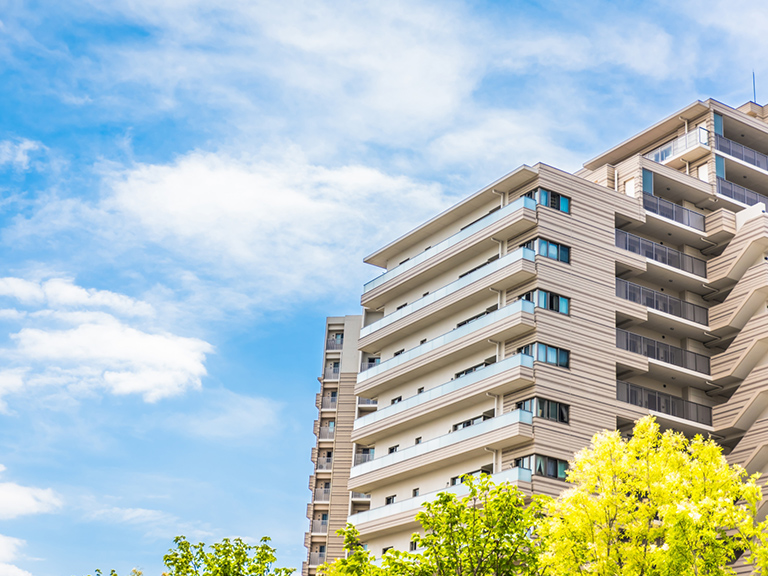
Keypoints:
pixel 284 228
pixel 154 523
pixel 17 154
pixel 17 500
pixel 9 548
pixel 121 358
pixel 11 570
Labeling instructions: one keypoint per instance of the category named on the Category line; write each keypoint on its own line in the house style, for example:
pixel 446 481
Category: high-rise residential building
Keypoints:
pixel 509 329
pixel 331 503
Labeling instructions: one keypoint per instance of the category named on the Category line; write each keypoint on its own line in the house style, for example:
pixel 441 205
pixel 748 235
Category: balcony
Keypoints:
pixel 452 288
pixel 363 458
pixel 325 433
pixel 324 463
pixel 328 403
pixel 318 526
pixel 661 302
pixel 449 442
pixel 316 558
pixel 442 247
pixel 360 496
pixel 322 495
pixel 498 378
pixel 686 148
pixel 331 373
pixel 662 352
pixel 367 365
pixel 739 193
pixel 740 152
pixel 663 403
pixel 334 344
pixel 661 254
pixel 518 307
pixel 412 505
pixel 672 211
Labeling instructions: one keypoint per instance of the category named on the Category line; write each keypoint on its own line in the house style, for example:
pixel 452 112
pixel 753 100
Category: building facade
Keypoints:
pixel 508 330
pixel 330 502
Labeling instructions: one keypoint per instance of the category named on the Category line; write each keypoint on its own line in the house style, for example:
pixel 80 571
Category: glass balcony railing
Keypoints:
pixel 739 193
pixel 455 334
pixel 513 475
pixel 325 433
pixel 367 402
pixel 660 253
pixel 519 204
pixel 316 558
pixel 664 403
pixel 360 496
pixel 334 344
pixel 363 458
pixel 447 388
pixel 519 254
pixel 698 137
pixel 521 416
pixel 661 302
pixel 672 211
pixel 741 152
pixel 662 352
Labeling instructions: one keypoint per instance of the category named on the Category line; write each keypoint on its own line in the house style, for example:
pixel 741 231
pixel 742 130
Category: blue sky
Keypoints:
pixel 187 189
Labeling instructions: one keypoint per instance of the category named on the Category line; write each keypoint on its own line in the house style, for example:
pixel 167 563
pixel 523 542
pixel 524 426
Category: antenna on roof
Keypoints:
pixel 754 88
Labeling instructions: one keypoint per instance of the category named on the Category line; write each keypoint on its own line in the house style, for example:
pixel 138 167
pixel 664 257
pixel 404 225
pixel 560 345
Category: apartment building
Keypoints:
pixel 509 329
pixel 331 503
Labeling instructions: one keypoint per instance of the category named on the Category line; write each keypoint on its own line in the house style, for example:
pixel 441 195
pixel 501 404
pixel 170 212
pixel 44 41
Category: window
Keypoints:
pixel 418 440
pixel 412 546
pixel 478 316
pixel 424 341
pixel 548 409
pixel 385 550
pixel 549 354
pixel 549 249
pixel 543 466
pixel 491 259
pixel 548 300
pixel 415 492
pixel 393 449
pixel 401 306
pixel 460 479
pixel 476 367
pixel 551 467
pixel 389 500
pixel 471 422
pixel 551 199
pixel 420 390
pixel 396 400
pixel 399 352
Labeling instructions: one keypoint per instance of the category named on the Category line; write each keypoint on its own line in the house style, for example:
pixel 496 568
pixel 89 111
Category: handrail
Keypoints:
pixel 661 254
pixel 660 351
pixel 672 211
pixel 661 302
pixel 662 402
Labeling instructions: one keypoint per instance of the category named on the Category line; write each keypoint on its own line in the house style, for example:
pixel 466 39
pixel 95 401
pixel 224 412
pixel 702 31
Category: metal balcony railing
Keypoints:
pixel 324 463
pixel 319 526
pixel 661 302
pixel 664 403
pixel 672 211
pixel 322 495
pixel 328 403
pixel 662 352
pixel 739 193
pixel 332 373
pixel 333 344
pixel 697 137
pixel 361 458
pixel 660 253
pixel 741 152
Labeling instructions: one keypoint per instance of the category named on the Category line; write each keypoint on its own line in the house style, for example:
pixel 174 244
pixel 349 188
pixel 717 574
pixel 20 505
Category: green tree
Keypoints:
pixel 656 504
pixel 225 558
pixel 486 532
